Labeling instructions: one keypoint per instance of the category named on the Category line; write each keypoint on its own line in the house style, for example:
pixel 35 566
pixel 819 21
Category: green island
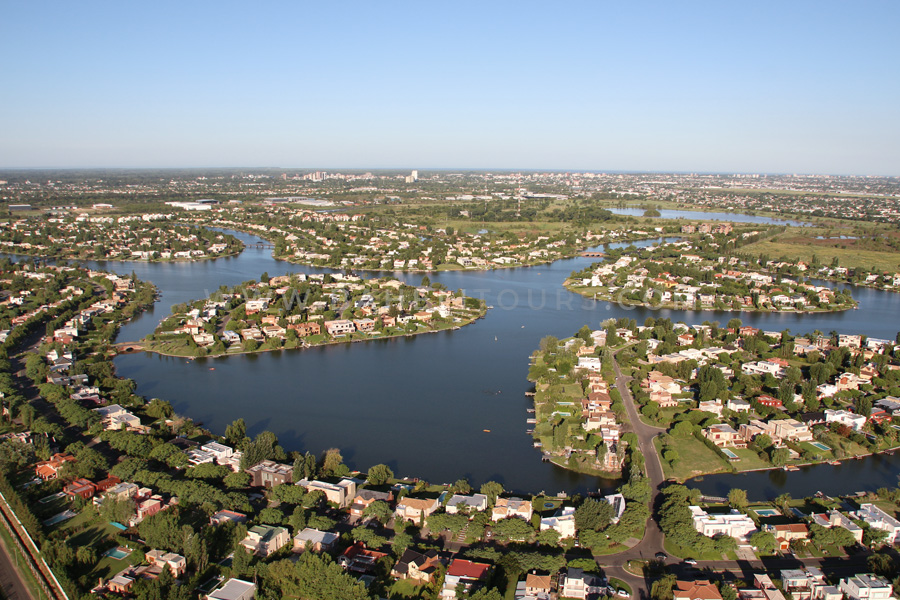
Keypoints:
pixel 299 310
pixel 154 237
pixel 701 274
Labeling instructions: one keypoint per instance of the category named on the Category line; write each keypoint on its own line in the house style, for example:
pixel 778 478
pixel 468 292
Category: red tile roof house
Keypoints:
pixel 696 590
pixel 359 559
pixel 80 487
pixel 49 469
pixel 463 572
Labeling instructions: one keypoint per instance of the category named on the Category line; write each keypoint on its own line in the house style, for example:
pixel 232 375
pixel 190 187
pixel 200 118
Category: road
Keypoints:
pixel 652 542
pixel 653 539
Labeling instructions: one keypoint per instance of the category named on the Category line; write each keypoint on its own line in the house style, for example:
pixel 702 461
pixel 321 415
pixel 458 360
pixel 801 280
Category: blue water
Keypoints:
pixel 667 213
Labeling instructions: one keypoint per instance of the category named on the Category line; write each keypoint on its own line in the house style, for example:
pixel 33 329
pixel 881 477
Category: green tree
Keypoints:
pixel 737 499
pixel 593 514
pixel 764 541
pixel 379 474
pixel 492 490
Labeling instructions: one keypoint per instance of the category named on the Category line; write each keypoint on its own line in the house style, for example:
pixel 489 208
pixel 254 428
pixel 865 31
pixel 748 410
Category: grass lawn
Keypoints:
pixel 694 458
pixel 675 550
pixel 818 452
pixel 749 460
pixel 847 257
pixel 405 588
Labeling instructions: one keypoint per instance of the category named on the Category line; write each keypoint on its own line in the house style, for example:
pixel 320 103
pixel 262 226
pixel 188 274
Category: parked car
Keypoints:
pixel 661 556
pixel 690 561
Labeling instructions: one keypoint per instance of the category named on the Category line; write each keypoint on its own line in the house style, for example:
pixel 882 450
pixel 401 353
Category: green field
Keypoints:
pixel 847 257
pixel 694 458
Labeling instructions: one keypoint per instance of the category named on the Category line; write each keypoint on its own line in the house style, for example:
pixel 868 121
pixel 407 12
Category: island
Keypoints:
pixel 299 310
pixel 699 275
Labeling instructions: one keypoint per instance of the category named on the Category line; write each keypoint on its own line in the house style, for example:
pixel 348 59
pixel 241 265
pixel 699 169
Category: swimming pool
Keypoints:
pixel 731 455
pixel 117 553
pixel 766 512
pixel 820 446
pixel 64 515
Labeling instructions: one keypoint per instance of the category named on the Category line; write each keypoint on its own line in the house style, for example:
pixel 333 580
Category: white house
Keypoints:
pixel 563 522
pixel 854 421
pixel 734 524
pixel 878 519
pixel 866 587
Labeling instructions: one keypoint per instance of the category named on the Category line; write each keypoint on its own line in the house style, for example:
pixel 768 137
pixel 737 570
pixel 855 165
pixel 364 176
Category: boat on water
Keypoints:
pixel 486 430
pixel 834 462
pixel 791 468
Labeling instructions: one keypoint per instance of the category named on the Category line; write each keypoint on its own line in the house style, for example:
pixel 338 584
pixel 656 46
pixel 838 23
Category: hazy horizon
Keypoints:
pixel 805 87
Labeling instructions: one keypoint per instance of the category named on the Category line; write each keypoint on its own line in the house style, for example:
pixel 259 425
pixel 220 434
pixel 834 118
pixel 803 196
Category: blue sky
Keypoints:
pixel 805 87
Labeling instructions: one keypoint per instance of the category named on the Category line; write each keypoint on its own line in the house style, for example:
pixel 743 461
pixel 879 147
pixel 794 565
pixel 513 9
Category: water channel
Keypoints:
pixel 421 405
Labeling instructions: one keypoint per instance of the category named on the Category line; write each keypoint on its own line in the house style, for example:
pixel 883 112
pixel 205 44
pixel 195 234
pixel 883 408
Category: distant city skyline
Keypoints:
pixel 802 87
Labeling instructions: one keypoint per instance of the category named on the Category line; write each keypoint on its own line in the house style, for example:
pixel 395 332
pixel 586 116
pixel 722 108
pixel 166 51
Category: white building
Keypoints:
pixel 878 519
pixel 854 421
pixel 866 587
pixel 563 522
pixel 734 524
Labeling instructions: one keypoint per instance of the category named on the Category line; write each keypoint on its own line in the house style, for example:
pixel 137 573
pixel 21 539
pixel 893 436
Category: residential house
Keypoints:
pixel 576 584
pixel 563 522
pixel 49 469
pixel 269 473
pixel 359 559
pixel 80 487
pixel 114 417
pixel 224 516
pixel 175 562
pixel 785 533
pixel 879 519
pixel 866 587
pixel 415 509
pixel 234 589
pixel 366 497
pixel 835 518
pixel 473 503
pixel 341 493
pixel 511 507
pixel 264 540
pixel 315 540
pixel 723 436
pixel 537 587
pixel 734 523
pixel 617 501
pixel 792 430
pixel 702 589
pixel 737 405
pixel 464 573
pixel 339 327
pixel 417 566
pixel 854 421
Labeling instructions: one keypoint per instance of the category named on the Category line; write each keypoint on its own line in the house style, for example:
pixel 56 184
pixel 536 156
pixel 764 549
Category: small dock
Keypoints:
pixel 531 421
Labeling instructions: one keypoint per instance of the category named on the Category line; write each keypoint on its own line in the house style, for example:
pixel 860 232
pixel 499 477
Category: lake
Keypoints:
pixel 419 404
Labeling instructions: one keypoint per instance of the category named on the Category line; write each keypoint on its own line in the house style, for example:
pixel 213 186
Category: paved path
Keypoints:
pixel 11 584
